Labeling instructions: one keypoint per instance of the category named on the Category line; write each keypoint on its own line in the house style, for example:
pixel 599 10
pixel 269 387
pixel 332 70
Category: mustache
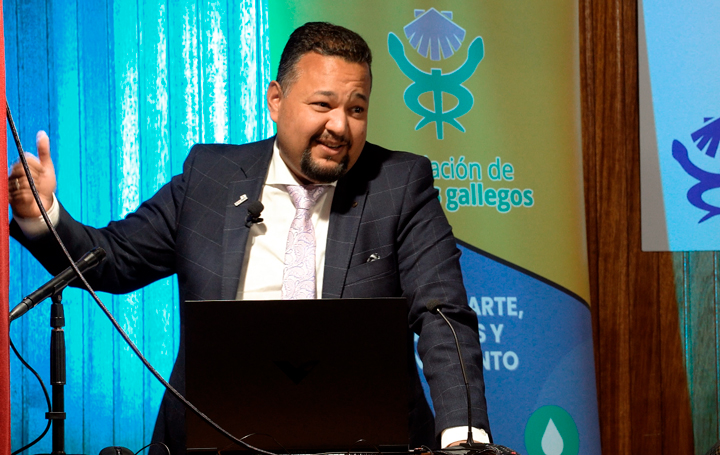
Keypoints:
pixel 328 137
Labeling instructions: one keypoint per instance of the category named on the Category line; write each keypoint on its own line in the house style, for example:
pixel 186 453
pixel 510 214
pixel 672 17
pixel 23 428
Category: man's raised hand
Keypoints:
pixel 43 172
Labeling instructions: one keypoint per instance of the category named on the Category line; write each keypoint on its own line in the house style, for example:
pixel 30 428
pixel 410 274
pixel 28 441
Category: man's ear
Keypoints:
pixel 274 99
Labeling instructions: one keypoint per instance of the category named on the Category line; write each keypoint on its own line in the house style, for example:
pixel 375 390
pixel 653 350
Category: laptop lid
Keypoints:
pixel 316 375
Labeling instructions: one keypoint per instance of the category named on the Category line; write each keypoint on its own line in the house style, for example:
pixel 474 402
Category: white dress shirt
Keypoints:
pixel 36 227
pixel 262 272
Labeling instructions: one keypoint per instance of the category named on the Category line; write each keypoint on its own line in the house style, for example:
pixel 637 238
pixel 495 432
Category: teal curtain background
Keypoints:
pixel 124 88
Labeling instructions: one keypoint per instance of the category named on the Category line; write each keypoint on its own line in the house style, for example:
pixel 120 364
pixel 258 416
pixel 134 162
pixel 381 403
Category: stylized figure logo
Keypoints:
pixel 435 33
pixel 707 136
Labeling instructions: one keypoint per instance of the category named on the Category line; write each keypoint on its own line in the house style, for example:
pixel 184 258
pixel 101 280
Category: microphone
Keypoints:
pixel 470 447
pixel 254 209
pixel 433 306
pixel 57 284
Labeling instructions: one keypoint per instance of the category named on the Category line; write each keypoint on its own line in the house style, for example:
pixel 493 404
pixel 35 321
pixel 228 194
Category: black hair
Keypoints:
pixel 325 39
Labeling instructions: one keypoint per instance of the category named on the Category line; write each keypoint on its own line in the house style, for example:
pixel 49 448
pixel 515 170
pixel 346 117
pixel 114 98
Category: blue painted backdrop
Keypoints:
pixel 124 88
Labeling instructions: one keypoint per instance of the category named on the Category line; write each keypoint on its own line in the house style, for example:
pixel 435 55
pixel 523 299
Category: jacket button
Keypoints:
pixel 354 204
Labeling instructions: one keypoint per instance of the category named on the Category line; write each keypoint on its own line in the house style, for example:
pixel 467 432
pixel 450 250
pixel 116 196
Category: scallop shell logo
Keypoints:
pixel 435 33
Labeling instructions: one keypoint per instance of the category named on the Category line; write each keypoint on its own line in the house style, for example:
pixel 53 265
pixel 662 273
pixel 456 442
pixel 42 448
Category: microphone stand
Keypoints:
pixel 57 374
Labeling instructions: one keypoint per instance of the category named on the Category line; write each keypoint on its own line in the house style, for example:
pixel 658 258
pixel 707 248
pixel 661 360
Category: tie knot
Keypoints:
pixel 304 197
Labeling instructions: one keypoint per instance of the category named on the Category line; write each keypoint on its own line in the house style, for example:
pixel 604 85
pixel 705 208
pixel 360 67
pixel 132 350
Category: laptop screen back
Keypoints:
pixel 316 375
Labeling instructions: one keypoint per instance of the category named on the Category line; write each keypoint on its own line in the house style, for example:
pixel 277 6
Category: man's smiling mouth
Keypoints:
pixel 332 146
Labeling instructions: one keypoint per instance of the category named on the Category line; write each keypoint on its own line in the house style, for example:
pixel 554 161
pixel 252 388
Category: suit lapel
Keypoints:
pixel 254 164
pixel 347 209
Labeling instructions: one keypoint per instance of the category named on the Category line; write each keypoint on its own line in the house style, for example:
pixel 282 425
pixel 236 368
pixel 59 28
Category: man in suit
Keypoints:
pixel 375 221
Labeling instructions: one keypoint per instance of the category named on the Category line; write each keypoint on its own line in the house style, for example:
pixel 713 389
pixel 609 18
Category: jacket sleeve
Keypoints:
pixel 140 248
pixel 429 267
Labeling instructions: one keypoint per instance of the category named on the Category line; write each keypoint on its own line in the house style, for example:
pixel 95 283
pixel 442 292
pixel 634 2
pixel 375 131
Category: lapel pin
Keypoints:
pixel 242 199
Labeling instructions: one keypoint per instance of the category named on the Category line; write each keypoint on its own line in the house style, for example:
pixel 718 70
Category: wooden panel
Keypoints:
pixel 604 157
pixel 642 391
pixel 699 308
pixel 677 422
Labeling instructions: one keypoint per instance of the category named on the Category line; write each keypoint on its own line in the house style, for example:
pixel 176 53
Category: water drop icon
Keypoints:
pixel 551 430
pixel 552 442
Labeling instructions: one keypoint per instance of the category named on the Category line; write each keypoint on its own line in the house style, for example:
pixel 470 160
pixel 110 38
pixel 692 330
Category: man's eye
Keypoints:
pixel 322 104
pixel 358 110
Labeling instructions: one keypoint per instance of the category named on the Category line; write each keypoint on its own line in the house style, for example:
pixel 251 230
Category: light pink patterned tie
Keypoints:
pixel 299 272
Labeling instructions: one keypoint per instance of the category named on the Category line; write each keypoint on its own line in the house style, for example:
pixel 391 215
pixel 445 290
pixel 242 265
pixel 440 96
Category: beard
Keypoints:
pixel 322 174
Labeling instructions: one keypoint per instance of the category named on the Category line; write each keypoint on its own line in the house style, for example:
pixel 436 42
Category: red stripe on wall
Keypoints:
pixel 4 266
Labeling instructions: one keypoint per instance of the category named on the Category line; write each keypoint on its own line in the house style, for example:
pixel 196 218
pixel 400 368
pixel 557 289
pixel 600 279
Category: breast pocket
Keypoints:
pixel 372 270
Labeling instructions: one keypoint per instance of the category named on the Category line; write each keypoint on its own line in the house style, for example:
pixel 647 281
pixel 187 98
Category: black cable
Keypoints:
pixel 102 306
pixel 266 435
pixel 153 444
pixel 47 398
pixel 462 367
pixel 363 440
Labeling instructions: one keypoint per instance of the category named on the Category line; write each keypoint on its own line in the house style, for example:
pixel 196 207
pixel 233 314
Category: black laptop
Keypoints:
pixel 302 376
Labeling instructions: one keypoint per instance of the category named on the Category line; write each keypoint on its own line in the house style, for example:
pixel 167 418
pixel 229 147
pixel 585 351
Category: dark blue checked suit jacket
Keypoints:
pixel 386 205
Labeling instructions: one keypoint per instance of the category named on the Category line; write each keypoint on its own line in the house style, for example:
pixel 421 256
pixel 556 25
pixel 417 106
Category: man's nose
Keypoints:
pixel 337 122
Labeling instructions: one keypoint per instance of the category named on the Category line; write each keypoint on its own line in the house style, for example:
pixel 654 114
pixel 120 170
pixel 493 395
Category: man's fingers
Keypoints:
pixel 43 148
pixel 33 163
pixel 17 170
pixel 43 172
